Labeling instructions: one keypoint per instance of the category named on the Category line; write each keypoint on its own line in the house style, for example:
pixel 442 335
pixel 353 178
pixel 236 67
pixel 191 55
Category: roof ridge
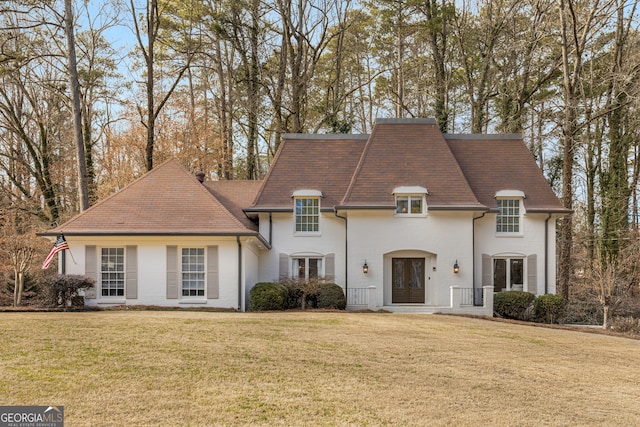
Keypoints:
pixel 116 192
pixel 183 184
pixel 358 167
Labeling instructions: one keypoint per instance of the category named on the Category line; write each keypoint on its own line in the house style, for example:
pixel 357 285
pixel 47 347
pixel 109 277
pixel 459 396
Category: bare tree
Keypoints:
pixel 149 37
pixel 74 86
pixel 577 27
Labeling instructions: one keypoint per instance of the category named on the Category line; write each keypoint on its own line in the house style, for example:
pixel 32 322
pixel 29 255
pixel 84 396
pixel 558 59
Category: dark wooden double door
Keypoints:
pixel 408 281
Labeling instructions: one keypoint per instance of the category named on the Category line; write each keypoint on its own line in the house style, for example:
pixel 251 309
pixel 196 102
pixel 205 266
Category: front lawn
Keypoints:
pixel 150 368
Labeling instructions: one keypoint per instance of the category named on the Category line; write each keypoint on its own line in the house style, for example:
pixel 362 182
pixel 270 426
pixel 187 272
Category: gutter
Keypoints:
pixel 473 254
pixel 546 254
pixel 346 254
pixel 239 273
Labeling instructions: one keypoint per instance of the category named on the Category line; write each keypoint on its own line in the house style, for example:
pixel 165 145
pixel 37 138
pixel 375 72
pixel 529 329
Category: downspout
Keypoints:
pixel 63 261
pixel 239 273
pixel 546 254
pixel 346 255
pixel 270 228
pixel 473 254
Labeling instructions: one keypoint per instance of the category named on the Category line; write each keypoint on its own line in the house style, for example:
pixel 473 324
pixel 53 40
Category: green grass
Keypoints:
pixel 148 368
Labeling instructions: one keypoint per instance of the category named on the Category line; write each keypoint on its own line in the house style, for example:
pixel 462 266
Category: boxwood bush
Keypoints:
pixel 267 296
pixel 513 304
pixel 331 295
pixel 549 308
pixel 313 294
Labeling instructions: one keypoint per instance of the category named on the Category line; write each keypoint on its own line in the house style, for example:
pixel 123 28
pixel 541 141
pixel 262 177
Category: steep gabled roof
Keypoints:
pixel 408 152
pixel 492 163
pixel 166 201
pixel 310 162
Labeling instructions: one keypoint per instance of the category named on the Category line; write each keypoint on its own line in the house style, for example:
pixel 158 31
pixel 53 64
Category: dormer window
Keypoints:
pixel 509 217
pixel 410 200
pixel 409 204
pixel 307 211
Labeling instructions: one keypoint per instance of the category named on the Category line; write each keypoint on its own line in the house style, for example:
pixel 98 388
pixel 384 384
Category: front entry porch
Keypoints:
pixel 461 302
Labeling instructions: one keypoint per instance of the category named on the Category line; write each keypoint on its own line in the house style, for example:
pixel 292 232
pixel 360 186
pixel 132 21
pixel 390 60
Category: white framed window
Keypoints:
pixel 508 220
pixel 307 213
pixel 411 201
pixel 112 271
pixel 192 272
pixel 508 274
pixel 307 268
pixel 410 204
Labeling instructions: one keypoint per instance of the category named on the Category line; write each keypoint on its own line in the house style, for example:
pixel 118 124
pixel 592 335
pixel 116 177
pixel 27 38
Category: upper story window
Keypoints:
pixel 409 205
pixel 509 218
pixel 410 200
pixel 307 211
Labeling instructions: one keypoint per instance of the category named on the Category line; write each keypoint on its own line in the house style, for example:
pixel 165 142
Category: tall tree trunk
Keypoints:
pixel 226 150
pixel 152 8
pixel 400 64
pixel 568 132
pixel 77 112
pixel 253 76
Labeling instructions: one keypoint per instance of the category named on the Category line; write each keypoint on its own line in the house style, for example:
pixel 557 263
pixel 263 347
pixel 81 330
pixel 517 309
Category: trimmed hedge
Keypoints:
pixel 267 296
pixel 331 295
pixel 513 304
pixel 296 294
pixel 549 308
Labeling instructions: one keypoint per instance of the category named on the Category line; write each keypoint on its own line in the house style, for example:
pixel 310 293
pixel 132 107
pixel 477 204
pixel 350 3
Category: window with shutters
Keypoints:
pixel 192 272
pixel 112 270
pixel 307 268
pixel 508 274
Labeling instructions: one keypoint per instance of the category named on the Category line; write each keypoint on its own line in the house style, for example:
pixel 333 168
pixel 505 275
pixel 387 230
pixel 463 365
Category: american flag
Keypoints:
pixel 60 245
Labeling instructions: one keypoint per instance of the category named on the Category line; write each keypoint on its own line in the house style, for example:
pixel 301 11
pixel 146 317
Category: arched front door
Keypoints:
pixel 408 280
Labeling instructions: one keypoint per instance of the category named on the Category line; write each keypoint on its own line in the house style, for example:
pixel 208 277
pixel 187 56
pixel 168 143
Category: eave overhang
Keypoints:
pixel 54 233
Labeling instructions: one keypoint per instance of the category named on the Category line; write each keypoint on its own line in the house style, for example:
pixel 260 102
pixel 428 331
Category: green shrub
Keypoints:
pixel 63 290
pixel 268 296
pixel 331 295
pixel 513 304
pixel 549 308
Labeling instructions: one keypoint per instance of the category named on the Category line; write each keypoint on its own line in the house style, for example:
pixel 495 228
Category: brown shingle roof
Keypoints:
pixel 235 196
pixel 167 200
pixel 502 162
pixel 310 162
pixel 409 152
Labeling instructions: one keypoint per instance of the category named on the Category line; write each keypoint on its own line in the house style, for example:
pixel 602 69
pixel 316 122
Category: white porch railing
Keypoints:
pixel 361 297
pixel 461 301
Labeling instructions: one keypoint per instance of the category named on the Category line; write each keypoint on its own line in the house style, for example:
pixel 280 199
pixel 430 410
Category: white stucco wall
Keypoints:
pixel 152 264
pixel 442 237
pixel 530 241
pixel 330 240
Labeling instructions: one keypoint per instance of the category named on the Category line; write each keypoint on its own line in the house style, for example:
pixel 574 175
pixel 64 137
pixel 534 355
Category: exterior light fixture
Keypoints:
pixel 456 267
pixel 365 267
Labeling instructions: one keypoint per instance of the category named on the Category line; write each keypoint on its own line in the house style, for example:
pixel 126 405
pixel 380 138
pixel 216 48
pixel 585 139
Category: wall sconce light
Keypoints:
pixel 365 267
pixel 456 267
